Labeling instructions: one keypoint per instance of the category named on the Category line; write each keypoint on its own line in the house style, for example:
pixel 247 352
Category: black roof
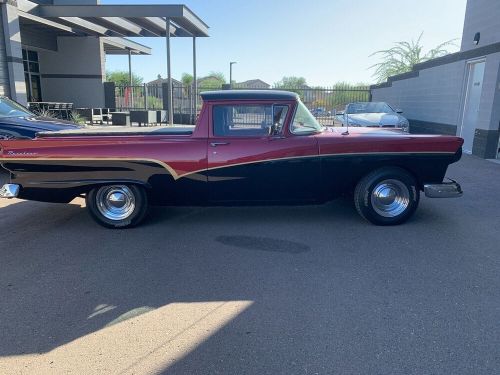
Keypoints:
pixel 249 94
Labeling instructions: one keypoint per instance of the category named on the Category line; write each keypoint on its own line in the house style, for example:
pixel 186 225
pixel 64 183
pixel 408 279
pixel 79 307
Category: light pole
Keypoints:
pixel 231 73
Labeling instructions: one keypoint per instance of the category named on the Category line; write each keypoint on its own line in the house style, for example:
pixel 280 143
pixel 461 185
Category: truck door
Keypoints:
pixel 251 158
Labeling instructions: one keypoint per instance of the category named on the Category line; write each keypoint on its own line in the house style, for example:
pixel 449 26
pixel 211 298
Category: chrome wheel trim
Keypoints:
pixel 390 198
pixel 116 202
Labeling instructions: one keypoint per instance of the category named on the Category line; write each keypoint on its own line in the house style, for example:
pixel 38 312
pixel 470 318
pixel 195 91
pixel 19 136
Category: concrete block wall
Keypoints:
pixel 433 96
pixel 75 72
pixel 488 118
pixel 433 100
pixel 15 86
pixel 487 134
pixel 4 70
pixel 481 16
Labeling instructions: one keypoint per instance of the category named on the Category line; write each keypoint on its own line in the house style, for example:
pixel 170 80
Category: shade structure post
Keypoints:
pixel 195 82
pixel 130 82
pixel 169 76
pixel 130 67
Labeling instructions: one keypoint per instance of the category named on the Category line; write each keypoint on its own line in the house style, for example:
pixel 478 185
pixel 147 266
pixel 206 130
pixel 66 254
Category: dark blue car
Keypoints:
pixel 17 122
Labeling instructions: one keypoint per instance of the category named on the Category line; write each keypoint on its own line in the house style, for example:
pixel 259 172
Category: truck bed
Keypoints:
pixel 121 131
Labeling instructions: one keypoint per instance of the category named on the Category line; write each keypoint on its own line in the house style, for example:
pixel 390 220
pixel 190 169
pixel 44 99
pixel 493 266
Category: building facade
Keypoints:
pixel 253 84
pixel 55 50
pixel 43 59
pixel 459 93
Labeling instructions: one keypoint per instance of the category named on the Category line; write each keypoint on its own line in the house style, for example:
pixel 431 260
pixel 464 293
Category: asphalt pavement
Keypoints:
pixel 263 290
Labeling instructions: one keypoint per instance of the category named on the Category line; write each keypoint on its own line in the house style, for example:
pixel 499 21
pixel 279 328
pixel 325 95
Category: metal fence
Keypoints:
pixel 323 102
pixel 139 97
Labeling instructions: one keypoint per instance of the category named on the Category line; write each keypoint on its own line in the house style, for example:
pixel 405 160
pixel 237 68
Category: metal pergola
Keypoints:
pixel 115 22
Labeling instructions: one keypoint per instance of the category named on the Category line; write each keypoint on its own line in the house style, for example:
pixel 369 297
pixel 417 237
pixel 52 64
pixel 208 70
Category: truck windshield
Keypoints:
pixel 9 108
pixel 304 122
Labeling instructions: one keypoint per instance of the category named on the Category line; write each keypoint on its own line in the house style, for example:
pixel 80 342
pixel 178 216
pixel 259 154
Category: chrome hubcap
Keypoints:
pixel 115 202
pixel 390 198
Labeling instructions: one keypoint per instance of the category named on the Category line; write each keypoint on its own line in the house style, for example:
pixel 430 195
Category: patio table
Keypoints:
pixel 120 118
pixel 146 117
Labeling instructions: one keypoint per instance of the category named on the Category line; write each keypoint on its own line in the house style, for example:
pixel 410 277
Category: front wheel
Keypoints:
pixel 117 206
pixel 387 196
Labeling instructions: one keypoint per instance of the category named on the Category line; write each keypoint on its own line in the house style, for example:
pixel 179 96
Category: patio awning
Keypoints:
pixel 113 23
pixel 122 46
pixel 117 20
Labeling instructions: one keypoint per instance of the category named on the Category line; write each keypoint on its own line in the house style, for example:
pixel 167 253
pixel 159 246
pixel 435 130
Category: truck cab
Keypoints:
pixel 246 126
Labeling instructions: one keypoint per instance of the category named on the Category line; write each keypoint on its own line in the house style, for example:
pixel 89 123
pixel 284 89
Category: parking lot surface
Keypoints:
pixel 264 290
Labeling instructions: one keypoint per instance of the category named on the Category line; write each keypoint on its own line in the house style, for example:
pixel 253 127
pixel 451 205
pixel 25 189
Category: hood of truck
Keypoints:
pixel 384 140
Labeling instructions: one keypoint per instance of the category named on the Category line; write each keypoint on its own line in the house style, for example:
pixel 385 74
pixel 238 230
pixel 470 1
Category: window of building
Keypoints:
pixel 32 75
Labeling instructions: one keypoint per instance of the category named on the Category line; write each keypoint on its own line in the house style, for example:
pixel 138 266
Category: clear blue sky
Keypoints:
pixel 324 41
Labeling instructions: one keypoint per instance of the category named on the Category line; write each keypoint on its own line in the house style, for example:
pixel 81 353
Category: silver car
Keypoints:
pixel 373 114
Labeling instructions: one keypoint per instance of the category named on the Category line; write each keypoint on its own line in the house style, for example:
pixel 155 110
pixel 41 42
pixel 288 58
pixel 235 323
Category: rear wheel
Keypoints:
pixel 387 196
pixel 117 206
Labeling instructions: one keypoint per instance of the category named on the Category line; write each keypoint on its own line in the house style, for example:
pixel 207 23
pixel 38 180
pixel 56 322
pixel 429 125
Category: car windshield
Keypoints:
pixel 9 108
pixel 369 107
pixel 304 122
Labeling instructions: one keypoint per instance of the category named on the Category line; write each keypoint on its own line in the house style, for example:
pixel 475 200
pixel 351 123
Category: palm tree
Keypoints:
pixel 187 81
pixel 404 55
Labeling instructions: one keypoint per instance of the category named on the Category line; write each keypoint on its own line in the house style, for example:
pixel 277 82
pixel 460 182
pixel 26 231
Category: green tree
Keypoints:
pixel 344 92
pixel 121 78
pixel 219 76
pixel 187 79
pixel 291 82
pixel 214 80
pixel 404 55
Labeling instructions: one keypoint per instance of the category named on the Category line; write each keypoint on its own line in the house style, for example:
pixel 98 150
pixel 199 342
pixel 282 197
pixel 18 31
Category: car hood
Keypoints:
pixel 37 123
pixel 363 131
pixel 376 119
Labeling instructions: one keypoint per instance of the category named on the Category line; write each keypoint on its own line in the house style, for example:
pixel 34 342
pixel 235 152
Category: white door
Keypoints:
pixel 475 73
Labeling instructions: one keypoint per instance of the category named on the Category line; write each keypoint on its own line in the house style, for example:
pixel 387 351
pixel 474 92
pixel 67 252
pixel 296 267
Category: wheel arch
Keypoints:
pixel 115 181
pixel 400 166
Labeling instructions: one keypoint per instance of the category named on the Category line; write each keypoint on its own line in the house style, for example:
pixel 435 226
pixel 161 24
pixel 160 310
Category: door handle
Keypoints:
pixel 276 137
pixel 215 144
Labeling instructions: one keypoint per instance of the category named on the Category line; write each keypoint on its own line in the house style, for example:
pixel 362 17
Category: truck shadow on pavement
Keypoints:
pixel 57 266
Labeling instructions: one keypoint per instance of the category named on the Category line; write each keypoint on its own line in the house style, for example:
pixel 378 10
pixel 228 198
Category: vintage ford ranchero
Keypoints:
pixel 248 147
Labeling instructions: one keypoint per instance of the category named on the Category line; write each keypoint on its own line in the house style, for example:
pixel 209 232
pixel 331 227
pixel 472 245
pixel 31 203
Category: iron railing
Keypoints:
pixel 323 102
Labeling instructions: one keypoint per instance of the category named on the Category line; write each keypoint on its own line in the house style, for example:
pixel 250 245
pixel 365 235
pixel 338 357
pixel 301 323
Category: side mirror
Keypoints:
pixel 399 111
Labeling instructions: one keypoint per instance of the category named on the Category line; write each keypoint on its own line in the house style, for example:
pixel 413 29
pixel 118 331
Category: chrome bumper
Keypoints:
pixel 445 190
pixel 9 191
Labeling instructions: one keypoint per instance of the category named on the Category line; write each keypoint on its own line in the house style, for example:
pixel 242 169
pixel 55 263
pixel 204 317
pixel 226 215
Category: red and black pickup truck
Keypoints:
pixel 248 147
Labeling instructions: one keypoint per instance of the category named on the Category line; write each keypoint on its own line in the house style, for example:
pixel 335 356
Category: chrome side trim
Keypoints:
pixel 9 191
pixel 445 190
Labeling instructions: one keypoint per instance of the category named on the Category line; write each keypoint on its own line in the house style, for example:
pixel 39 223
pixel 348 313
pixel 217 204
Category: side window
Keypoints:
pixel 248 120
